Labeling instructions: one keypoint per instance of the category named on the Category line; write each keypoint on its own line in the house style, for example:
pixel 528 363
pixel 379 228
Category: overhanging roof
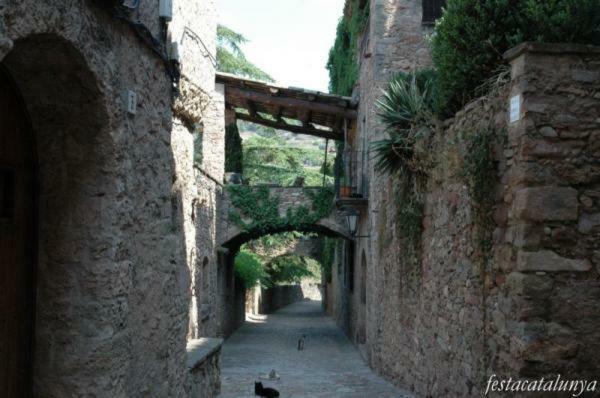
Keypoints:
pixel 288 108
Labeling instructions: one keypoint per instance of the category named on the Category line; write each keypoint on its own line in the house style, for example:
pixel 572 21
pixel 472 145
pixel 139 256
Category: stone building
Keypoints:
pixel 444 324
pixel 111 163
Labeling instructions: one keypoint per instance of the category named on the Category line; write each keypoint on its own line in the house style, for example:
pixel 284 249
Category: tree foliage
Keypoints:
pixel 231 58
pixel 292 269
pixel 472 35
pixel 272 160
pixel 250 269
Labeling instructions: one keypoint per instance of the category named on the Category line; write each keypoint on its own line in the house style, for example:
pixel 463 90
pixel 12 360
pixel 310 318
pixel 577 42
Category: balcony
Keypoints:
pixel 352 186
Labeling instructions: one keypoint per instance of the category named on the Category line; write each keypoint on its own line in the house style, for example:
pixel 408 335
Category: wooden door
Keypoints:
pixel 16 244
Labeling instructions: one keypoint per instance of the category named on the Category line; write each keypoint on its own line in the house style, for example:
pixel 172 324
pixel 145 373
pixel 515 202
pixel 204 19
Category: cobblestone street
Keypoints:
pixel 329 365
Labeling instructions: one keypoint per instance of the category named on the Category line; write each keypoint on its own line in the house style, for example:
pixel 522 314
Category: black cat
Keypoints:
pixel 264 392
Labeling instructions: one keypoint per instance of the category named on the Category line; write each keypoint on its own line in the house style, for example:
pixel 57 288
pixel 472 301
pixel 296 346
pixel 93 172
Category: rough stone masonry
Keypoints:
pixel 125 274
pixel 443 327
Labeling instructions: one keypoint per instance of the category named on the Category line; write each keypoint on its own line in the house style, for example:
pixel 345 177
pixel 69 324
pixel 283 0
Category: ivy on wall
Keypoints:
pixel 343 63
pixel 479 174
pixel 328 256
pixel 258 210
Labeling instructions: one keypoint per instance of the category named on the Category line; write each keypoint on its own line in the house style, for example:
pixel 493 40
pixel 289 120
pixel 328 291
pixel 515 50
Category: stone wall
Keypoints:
pixel 199 134
pixel 116 265
pixel 204 367
pixel 265 301
pixel 548 261
pixel 394 40
pixel 442 326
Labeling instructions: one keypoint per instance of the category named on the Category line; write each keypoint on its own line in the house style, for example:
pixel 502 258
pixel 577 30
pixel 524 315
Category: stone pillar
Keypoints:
pixel 552 254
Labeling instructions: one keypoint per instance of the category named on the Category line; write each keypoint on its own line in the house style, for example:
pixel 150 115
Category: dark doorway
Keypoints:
pixel 17 245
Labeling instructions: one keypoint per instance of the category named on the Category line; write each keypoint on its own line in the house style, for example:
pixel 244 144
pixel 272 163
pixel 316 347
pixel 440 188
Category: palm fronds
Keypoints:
pixel 406 110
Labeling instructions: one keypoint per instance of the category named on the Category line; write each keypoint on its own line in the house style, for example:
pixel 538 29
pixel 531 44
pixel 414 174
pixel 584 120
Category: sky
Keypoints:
pixel 288 39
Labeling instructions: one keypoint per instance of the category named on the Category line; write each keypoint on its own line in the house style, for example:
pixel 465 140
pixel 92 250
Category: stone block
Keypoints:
pixel 546 204
pixel 548 132
pixel 552 150
pixel 548 261
pixel 587 222
pixel 586 76
pixel 524 235
pixel 529 284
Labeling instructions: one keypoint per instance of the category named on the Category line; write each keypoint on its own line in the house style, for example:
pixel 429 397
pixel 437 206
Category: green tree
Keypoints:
pixel 272 160
pixel 231 58
pixel 250 269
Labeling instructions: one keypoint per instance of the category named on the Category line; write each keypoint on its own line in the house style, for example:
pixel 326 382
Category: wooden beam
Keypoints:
pixel 291 103
pixel 332 135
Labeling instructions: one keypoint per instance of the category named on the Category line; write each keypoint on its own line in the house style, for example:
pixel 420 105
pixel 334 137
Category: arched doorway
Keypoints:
pixel 17 243
pixel 68 150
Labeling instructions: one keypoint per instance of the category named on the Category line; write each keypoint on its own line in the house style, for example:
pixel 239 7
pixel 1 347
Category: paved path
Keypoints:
pixel 329 366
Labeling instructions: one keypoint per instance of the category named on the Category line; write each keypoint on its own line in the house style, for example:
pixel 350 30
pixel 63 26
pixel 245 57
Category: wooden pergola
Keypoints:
pixel 287 108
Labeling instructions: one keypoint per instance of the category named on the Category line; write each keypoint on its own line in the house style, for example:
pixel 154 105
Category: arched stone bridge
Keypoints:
pixel 277 209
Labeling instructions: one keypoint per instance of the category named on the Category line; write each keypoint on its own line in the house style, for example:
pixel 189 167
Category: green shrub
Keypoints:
pixel 250 269
pixel 472 35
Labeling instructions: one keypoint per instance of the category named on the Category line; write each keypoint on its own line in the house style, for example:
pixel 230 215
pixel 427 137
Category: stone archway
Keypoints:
pixel 70 140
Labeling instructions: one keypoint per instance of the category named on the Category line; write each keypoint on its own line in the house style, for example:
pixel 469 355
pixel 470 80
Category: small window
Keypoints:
pixel 432 10
pixel 7 194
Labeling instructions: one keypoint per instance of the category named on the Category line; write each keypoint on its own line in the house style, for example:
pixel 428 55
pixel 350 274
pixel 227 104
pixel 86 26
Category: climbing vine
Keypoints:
pixel 479 174
pixel 406 110
pixel 328 256
pixel 257 211
pixel 343 62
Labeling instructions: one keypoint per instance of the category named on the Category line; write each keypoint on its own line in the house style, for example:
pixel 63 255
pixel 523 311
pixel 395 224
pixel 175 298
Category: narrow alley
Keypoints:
pixel 329 365
pixel 340 198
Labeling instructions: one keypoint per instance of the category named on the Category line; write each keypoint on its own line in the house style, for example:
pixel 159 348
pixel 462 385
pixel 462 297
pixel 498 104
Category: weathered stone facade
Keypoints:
pixel 443 327
pixel 548 257
pixel 120 273
pixel 394 40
